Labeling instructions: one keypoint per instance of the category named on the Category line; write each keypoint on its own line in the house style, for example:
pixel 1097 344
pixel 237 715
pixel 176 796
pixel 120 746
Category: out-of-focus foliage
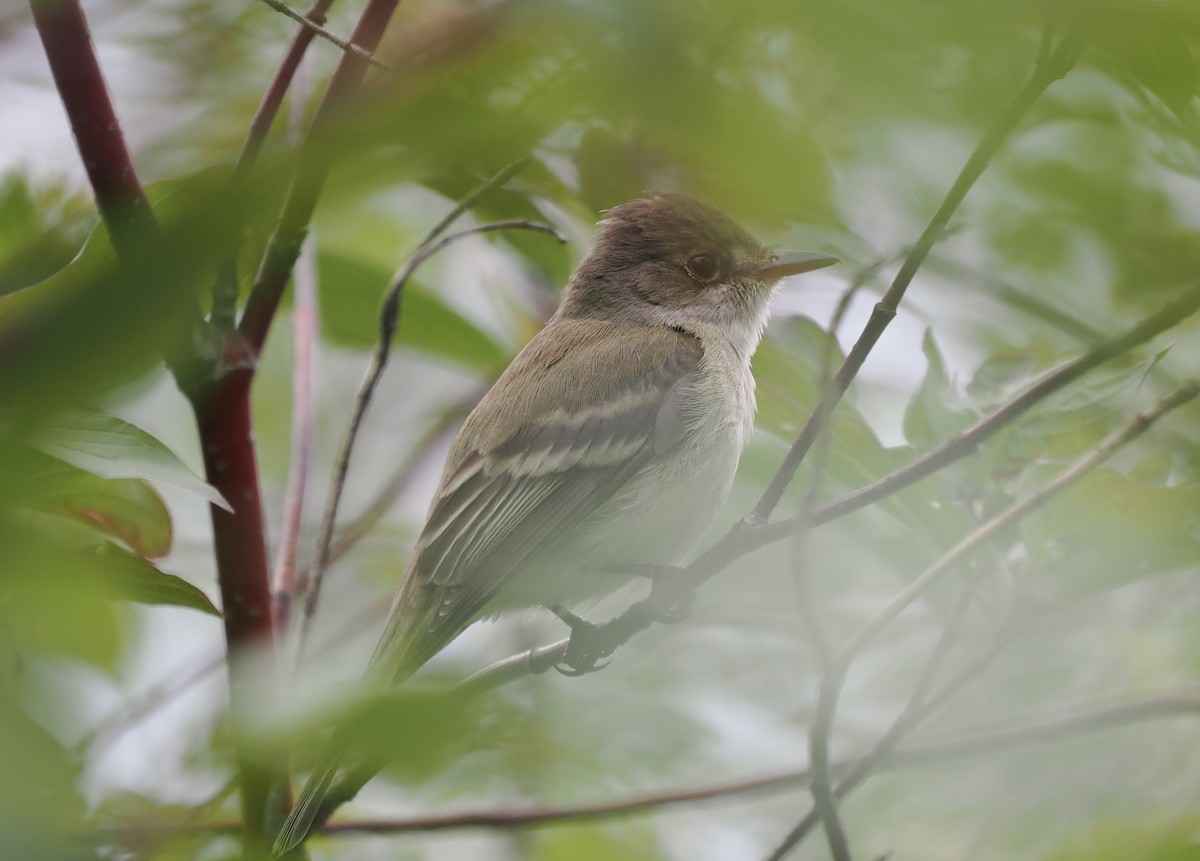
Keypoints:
pixel 833 126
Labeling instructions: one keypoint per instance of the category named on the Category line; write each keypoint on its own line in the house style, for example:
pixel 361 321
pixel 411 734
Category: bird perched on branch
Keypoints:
pixel 610 442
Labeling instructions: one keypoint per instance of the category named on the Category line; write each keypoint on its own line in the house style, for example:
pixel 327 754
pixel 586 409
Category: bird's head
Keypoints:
pixel 674 260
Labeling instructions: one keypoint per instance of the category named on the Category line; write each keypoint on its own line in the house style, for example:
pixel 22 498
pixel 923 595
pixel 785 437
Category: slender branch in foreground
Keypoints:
pixel 272 99
pixel 1048 69
pixel 316 28
pixel 1132 429
pixel 389 316
pixel 1063 724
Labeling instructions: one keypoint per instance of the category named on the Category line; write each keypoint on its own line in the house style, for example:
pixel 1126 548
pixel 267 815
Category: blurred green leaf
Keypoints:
pixel 1108 530
pixel 1167 839
pixel 932 415
pixel 1154 43
pixel 629 841
pixel 112 448
pixel 351 291
pixel 54 598
pixel 129 577
pixel 40 231
pixel 41 807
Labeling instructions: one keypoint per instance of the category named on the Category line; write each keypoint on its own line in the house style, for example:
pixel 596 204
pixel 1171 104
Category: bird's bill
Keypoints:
pixel 787 263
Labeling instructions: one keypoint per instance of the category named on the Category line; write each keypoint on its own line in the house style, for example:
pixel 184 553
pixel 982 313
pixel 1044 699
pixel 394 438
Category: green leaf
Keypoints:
pixel 932 417
pixel 125 508
pixel 629 841
pixel 350 295
pixel 1172 839
pixel 1108 530
pixel 55 602
pixel 112 448
pixel 131 578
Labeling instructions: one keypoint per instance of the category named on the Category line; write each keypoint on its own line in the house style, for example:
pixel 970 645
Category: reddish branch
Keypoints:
pixel 223 418
pixel 268 108
pixel 80 83
pixel 284 244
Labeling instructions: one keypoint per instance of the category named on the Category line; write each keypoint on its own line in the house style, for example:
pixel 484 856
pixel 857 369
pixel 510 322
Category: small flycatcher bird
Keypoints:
pixel 609 443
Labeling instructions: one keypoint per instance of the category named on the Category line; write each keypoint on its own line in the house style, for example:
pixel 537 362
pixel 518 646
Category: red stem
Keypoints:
pixel 223 417
pixel 277 263
pixel 80 83
pixel 268 108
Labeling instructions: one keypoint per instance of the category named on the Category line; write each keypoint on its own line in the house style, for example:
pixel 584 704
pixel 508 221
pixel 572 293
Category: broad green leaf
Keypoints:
pixel 629 841
pixel 932 416
pixel 1077 417
pixel 1156 839
pixel 41 805
pixel 125 508
pixel 112 448
pixel 1108 530
pixel 787 370
pixel 55 601
pixel 350 294
pixel 129 577
pixel 418 730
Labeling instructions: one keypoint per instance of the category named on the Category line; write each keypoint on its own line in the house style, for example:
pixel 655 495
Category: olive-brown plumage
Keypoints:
pixel 610 441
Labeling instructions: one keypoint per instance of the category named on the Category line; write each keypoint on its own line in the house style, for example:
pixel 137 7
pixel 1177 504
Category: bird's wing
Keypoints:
pixel 562 430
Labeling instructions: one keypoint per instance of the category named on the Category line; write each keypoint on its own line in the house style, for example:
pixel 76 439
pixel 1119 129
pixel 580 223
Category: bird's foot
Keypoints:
pixel 587 648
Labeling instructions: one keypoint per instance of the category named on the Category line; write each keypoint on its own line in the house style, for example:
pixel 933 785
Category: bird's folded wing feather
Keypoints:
pixel 569 423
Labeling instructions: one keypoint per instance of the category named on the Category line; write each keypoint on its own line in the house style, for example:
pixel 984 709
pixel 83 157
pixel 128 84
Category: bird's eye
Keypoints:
pixel 703 267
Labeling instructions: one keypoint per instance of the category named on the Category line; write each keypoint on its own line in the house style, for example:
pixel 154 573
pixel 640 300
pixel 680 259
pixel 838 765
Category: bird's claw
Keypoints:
pixel 586 650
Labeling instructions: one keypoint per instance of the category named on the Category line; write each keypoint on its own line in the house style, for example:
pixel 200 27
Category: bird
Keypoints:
pixel 610 442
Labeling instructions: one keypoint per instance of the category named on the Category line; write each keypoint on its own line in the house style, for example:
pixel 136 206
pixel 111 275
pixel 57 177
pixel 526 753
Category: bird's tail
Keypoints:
pixel 404 647
pixel 308 806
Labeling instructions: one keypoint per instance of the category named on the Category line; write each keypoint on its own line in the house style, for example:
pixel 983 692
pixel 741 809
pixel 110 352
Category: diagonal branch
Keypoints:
pixel 284 244
pixel 1132 429
pixel 1048 69
pixel 968 441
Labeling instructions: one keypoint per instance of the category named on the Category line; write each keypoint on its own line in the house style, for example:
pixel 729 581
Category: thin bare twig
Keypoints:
pixel 315 26
pixel 388 318
pixel 351 533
